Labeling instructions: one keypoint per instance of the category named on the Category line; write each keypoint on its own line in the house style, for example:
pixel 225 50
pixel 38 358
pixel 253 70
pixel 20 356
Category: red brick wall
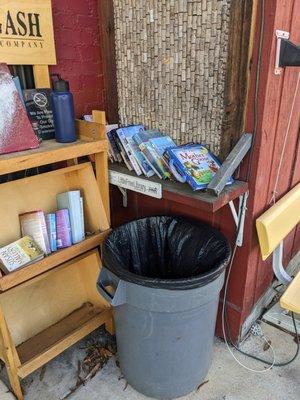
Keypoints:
pixel 78 51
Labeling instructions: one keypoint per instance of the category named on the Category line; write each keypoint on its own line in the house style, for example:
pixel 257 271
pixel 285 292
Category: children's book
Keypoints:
pixel 33 224
pixel 16 132
pixel 121 134
pixel 19 254
pixel 195 163
pixel 143 136
pixel 142 140
pixel 116 155
pixel 160 144
pixel 135 155
pixel 130 133
pixel 121 150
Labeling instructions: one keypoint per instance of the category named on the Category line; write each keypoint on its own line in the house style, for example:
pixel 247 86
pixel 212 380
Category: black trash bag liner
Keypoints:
pixel 166 252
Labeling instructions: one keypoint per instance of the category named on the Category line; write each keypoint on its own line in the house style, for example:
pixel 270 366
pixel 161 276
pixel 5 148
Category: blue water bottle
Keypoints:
pixel 63 111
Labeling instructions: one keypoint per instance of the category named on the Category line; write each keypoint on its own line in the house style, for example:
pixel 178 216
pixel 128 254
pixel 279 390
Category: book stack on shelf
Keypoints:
pixel 45 233
pixel 149 153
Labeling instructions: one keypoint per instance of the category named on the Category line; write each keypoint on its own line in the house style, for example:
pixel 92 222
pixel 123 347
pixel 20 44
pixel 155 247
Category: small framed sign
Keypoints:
pixel 26 32
pixel 136 184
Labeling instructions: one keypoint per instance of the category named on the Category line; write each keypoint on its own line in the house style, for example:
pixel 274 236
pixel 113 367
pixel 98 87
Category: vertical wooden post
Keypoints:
pixel 101 165
pixel 11 357
pixel 41 76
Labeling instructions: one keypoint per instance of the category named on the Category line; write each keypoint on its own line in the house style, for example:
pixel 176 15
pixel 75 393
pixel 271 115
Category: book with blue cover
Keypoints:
pixel 133 151
pixel 153 159
pixel 195 163
pixel 121 150
pixel 122 135
pixel 51 228
pixel 71 201
pixel 160 145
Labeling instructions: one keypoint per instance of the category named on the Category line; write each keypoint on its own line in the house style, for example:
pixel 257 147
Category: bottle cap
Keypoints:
pixel 60 85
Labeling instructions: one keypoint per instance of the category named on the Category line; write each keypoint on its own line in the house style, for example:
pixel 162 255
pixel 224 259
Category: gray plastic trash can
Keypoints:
pixel 164 307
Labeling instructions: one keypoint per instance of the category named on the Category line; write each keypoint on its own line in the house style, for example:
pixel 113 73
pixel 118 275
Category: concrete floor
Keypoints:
pixel 225 381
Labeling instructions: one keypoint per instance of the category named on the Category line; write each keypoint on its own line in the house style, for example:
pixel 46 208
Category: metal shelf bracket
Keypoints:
pixel 124 195
pixel 240 216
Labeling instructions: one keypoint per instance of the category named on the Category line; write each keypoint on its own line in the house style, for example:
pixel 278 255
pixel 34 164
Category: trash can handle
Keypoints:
pixel 105 293
pixel 116 298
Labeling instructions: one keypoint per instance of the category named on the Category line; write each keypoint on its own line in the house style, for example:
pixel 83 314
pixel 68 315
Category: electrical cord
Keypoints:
pixel 225 324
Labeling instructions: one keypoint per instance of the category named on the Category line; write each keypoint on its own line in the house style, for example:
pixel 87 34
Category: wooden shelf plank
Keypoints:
pixel 24 274
pixel 49 152
pixel 183 194
pixel 52 341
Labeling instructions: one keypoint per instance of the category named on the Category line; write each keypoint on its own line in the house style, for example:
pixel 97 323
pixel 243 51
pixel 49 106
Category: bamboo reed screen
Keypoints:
pixel 171 63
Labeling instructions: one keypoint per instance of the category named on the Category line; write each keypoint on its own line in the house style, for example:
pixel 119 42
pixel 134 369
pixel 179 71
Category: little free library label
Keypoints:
pixel 136 184
pixel 26 32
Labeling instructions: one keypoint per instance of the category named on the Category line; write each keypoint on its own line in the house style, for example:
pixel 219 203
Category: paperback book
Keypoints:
pixel 113 148
pixel 51 229
pixel 72 201
pixel 63 229
pixel 33 224
pixel 121 150
pixel 124 135
pixel 19 254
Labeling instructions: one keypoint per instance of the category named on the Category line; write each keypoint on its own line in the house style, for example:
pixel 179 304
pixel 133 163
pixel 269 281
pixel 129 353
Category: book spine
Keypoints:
pixel 63 229
pixel 122 152
pixel 114 149
pixel 45 233
pixel 82 218
pixel 127 149
pixel 51 228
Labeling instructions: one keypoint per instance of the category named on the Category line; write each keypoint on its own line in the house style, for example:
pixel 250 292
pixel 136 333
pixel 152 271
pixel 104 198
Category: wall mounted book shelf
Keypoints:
pixel 49 305
pixel 175 191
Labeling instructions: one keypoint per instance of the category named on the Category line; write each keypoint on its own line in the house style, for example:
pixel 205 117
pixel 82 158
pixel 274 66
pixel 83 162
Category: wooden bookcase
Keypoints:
pixel 50 305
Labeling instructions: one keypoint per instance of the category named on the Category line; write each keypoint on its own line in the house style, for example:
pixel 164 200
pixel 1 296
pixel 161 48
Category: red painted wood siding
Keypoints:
pixel 275 98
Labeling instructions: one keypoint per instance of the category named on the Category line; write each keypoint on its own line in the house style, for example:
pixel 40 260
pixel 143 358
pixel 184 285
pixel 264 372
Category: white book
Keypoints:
pixel 33 224
pixel 71 201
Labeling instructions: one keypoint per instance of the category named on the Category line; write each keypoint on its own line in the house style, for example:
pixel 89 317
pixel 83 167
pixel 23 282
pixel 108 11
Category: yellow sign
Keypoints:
pixel 26 32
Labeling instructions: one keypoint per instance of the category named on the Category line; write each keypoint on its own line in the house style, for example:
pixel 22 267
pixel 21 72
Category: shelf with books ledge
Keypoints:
pixel 53 260
pixel 49 152
pixel 182 193
pixel 40 192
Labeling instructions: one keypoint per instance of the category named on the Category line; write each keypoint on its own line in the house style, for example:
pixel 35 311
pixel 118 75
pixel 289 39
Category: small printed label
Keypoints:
pixel 136 184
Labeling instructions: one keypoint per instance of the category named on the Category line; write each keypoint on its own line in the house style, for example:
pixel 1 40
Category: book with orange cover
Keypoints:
pixel 16 132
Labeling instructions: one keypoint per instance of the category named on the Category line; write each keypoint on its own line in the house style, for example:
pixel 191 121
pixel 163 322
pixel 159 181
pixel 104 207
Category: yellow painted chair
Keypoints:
pixel 272 227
